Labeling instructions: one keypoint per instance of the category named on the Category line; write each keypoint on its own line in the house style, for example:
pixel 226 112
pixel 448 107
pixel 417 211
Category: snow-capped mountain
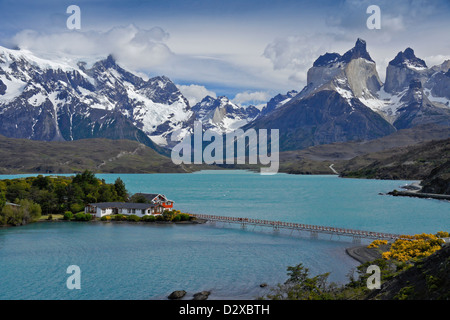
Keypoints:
pixel 46 100
pixel 222 115
pixel 277 101
pixel 407 73
pixel 344 99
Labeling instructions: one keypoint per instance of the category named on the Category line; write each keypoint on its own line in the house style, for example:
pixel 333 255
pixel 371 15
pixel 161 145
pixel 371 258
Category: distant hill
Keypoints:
pixel 96 155
pixel 410 163
pixel 438 181
pixel 354 155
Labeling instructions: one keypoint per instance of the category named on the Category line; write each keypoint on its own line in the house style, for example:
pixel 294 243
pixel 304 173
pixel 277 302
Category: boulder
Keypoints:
pixel 178 294
pixel 201 295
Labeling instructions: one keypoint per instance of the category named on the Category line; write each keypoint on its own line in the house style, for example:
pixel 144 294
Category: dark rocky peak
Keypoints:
pixel 252 111
pixel 105 64
pixel 207 103
pixel 109 62
pixel 415 84
pixel 82 65
pixel 448 73
pixel 2 88
pixel 408 58
pixel 358 51
pixel 326 59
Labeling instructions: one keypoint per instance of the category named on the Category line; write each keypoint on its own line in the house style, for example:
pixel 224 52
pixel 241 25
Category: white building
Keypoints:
pixel 108 208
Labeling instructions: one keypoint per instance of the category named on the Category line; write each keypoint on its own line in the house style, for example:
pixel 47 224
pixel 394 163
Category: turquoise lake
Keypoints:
pixel 148 261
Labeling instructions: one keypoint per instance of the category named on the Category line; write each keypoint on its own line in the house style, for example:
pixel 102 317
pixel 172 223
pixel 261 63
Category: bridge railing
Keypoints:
pixel 300 226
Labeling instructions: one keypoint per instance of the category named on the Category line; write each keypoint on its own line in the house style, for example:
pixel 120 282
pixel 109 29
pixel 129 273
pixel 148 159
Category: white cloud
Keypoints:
pixel 195 93
pixel 148 51
pixel 136 48
pixel 245 98
pixel 294 55
pixel 432 61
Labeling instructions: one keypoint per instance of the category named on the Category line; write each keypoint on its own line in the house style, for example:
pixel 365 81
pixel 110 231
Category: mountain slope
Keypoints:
pixel 96 155
pixel 407 163
pixel 222 115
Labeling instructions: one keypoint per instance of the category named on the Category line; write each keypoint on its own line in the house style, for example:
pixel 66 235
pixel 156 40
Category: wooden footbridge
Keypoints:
pixel 314 230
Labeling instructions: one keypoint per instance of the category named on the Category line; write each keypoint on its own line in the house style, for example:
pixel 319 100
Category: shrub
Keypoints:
pixel 68 215
pixel 50 217
pixel 76 207
pixel 105 218
pixel 442 234
pixel 81 216
pixel 168 215
pixel 133 218
pixel 148 218
pixel 184 217
pixel 377 243
pixel 120 217
pixel 420 246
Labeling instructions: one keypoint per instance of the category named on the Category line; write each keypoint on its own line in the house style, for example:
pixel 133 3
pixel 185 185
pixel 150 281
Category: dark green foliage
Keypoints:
pixel 168 215
pixel 133 218
pixel 300 286
pixel 121 191
pixel 120 217
pixel 26 211
pixel 81 216
pixel 58 195
pixel 148 218
pixel 68 215
pixel 138 198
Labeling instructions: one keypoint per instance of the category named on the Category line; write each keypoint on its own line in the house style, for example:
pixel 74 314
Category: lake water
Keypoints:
pixel 127 261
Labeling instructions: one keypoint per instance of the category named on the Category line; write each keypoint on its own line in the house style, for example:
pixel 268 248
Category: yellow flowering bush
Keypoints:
pixel 377 243
pixel 417 246
pixel 442 234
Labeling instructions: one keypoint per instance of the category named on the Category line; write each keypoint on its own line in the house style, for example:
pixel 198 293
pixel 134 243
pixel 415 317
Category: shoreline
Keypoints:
pixel 415 194
pixel 362 254
pixel 196 221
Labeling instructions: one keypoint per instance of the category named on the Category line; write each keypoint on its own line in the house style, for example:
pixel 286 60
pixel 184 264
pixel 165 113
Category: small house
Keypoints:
pixel 109 208
pixel 156 198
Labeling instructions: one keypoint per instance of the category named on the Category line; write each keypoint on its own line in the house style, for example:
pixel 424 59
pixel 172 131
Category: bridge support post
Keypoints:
pixel 243 225
pixel 356 240
pixel 314 235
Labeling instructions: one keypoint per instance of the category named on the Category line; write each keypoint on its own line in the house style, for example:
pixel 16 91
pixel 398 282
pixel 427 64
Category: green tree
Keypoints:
pixel 24 212
pixel 300 286
pixel 121 191
pixel 138 198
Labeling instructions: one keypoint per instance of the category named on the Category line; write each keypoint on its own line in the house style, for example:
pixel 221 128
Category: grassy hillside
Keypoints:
pixel 411 163
pixel 96 155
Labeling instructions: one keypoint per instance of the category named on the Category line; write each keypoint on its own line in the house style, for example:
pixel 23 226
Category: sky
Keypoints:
pixel 248 50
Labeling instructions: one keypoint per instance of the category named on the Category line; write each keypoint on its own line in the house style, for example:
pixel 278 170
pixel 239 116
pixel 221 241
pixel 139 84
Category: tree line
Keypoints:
pixel 33 196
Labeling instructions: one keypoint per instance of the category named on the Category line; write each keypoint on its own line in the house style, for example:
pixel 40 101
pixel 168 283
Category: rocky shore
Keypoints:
pixel 363 254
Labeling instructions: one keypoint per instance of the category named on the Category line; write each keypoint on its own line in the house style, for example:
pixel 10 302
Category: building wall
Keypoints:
pixel 138 212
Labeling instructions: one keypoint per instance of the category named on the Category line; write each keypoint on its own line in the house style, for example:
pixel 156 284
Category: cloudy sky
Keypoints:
pixel 249 50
